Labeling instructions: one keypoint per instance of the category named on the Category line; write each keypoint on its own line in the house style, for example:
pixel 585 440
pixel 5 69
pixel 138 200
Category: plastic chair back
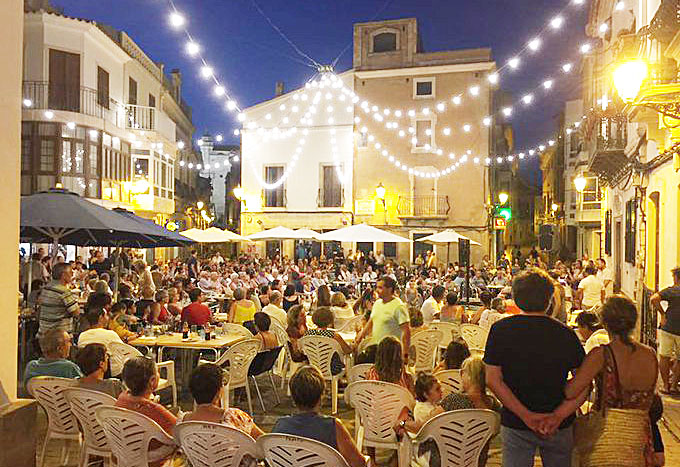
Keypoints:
pixel 426 344
pixel 240 356
pixel 379 405
pixel 83 403
pixel 49 392
pixel 358 372
pixel 213 444
pixel 120 353
pixel 130 433
pixel 450 380
pixel 474 336
pixel 239 330
pixel 450 331
pixel 319 350
pixel 460 435
pixel 294 451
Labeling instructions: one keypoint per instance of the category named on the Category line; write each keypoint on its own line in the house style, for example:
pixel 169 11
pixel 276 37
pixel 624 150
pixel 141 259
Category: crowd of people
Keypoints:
pixel 535 371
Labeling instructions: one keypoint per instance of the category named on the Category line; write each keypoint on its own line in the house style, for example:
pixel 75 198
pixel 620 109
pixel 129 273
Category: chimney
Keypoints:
pixel 279 89
pixel 176 78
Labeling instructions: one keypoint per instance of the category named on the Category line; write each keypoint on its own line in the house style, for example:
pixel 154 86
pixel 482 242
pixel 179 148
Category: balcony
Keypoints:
pixel 423 207
pixel 79 99
pixel 140 117
pixel 608 157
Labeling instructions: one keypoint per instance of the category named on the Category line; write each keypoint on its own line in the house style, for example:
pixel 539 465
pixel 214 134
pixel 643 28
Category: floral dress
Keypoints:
pixel 612 396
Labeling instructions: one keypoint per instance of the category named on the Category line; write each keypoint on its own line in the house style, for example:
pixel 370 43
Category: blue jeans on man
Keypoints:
pixel 519 448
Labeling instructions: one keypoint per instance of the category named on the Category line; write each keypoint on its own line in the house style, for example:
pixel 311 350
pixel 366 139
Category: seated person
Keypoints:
pixel 428 395
pixel 144 305
pixel 98 332
pixel 342 312
pixel 93 360
pixel 306 387
pixel 264 335
pixel 323 318
pixel 56 347
pixel 590 330
pixel 140 376
pixel 456 352
pixel 196 313
pixel 118 321
pixel 159 308
pixel 474 395
pixel 495 313
pixel 389 364
pixel 451 312
pixel 274 308
pixel 207 385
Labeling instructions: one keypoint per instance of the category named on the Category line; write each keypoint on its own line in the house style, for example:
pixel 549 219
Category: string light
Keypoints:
pixel 556 22
pixel 534 44
pixel 177 20
pixel 192 48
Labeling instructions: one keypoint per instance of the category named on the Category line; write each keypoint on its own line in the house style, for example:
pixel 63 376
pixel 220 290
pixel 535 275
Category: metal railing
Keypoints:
pixel 80 99
pixel 612 133
pixel 423 206
pixel 140 117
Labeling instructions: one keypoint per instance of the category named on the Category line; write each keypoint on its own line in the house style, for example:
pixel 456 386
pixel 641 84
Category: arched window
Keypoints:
pixel 385 42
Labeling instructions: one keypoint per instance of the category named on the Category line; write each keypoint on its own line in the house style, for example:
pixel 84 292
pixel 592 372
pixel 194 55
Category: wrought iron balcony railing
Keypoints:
pixel 427 206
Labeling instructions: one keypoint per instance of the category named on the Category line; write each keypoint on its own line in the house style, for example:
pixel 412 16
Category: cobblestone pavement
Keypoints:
pixel 670 426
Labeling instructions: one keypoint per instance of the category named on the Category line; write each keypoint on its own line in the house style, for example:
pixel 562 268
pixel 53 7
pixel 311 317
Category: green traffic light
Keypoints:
pixel 505 213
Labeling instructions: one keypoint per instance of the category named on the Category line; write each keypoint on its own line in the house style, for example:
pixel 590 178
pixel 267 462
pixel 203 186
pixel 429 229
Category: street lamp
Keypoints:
pixel 628 78
pixel 554 207
pixel 580 183
pixel 200 205
pixel 238 193
pixel 503 197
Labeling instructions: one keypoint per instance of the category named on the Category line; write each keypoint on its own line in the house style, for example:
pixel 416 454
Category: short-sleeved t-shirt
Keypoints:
pixel 196 314
pixel 61 368
pixel 387 319
pixel 672 296
pixel 535 354
pixel 592 290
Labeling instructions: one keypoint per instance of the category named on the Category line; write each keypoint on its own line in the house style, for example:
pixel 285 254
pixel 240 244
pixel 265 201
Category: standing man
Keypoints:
pixel 606 276
pixel 669 332
pixel 389 316
pixel 57 304
pixel 528 358
pixel 590 289
pixel 433 305
pixel 192 265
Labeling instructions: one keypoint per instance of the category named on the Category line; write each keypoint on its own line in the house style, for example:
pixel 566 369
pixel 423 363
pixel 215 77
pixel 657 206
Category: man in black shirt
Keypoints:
pixel 528 358
pixel 192 265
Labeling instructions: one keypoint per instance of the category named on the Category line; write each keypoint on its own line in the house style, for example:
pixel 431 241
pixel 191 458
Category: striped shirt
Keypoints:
pixel 57 308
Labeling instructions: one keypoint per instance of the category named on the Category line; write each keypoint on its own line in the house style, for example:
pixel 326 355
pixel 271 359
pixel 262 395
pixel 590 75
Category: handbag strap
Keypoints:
pixel 608 350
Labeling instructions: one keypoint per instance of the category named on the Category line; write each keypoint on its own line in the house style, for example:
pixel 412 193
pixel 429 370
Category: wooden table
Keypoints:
pixel 175 341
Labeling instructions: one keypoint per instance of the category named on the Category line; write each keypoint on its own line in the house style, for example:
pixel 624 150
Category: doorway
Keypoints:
pixel 618 232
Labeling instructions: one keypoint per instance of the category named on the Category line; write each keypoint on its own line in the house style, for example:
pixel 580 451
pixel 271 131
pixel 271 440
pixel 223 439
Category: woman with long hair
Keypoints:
pixel 389 364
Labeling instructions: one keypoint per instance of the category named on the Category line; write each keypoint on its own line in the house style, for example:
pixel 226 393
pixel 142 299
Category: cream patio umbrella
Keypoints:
pixel 446 237
pixel 277 233
pixel 213 235
pixel 307 234
pixel 362 233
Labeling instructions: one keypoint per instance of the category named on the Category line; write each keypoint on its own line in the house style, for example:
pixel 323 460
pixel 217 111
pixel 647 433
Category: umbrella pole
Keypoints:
pixel 116 281
pixel 448 251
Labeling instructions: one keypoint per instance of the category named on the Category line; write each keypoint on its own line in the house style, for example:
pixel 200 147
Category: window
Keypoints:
pixel 152 100
pixel 102 87
pixel 390 249
pixel 274 198
pixel 591 194
pixel 423 134
pixel 132 92
pixel 423 88
pixel 385 42
pixel 331 187
pixel 631 222
pixel 363 139
pixel 64 86
pixel 365 247
pixel 608 232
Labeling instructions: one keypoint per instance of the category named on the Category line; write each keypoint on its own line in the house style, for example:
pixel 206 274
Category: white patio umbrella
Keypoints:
pixel 362 233
pixel 307 234
pixel 277 233
pixel 213 235
pixel 446 237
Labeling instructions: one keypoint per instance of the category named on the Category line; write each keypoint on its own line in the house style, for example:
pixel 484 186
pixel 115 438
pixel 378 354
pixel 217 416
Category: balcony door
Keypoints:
pixel 424 194
pixel 64 86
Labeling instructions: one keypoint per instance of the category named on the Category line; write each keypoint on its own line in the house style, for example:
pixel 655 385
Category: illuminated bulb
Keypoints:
pixel 411 113
pixel 219 138
pixel 176 20
pixel 49 114
pixel 620 6
pixel 219 90
pixel 474 90
pixel 476 160
pixel 236 132
pixel 374 108
pixel 329 108
pixel 386 111
pixel 531 152
pixel 452 156
pixel 295 109
pixel 447 131
pixel 371 138
pixel 499 160
pixel 585 48
pixel 28 103
pixel 231 105
pixel 578 2
pixel 181 163
pixel 349 109
pixel 487 160
pixel 71 126
pixel 577 124
pixel 402 133
pixel 493 78
pixel 551 143
pixel 428 132
pixel 486 121
pixel 180 144
pixel 439 152
pixel 191 165
pixel 547 84
pixel 507 111
pixel 192 48
pixel 286 120
pixel 268 116
pixel 534 44
pixel 513 62
pixel 397 113
pixel 411 130
pixel 441 107
pixel 206 71
pixel 556 22
pixel 426 111
pixel 241 117
pixel 427 147
pixel 207 166
pixel 456 100
pixel 604 27
pixel 199 166
pixel 414 141
pixel 566 67
pixel 467 128
pixel 527 99
pixel 330 120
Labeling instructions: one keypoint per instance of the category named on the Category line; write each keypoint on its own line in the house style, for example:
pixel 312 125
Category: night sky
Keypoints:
pixel 249 56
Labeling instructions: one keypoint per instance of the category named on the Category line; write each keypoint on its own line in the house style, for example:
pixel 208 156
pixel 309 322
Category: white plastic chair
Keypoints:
pixel 61 423
pixel 474 336
pixel 129 434
pixel 460 435
pixel 295 451
pixel 379 405
pixel 121 352
pixel 283 365
pixel 319 350
pixel 358 372
pixel 239 356
pixel 450 332
pixel 350 324
pixel 450 380
pixel 83 404
pixel 239 330
pixel 426 344
pixel 213 444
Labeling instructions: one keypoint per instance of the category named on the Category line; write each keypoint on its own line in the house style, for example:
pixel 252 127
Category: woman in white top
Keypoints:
pixel 493 314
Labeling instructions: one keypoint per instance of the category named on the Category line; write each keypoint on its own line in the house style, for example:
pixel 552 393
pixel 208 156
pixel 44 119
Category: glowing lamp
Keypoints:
pixel 580 183
pixel 200 205
pixel 503 197
pixel 238 193
pixel 628 78
pixel 380 191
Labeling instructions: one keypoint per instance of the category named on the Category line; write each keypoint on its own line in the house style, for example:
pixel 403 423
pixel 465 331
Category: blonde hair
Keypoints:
pixel 338 299
pixel 474 368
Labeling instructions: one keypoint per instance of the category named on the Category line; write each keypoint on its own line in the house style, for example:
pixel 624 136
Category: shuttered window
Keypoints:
pixel 64 86
pixel 102 87
pixel 331 191
pixel 132 92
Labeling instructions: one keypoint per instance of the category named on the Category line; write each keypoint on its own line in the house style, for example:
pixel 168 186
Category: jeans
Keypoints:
pixel 519 448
